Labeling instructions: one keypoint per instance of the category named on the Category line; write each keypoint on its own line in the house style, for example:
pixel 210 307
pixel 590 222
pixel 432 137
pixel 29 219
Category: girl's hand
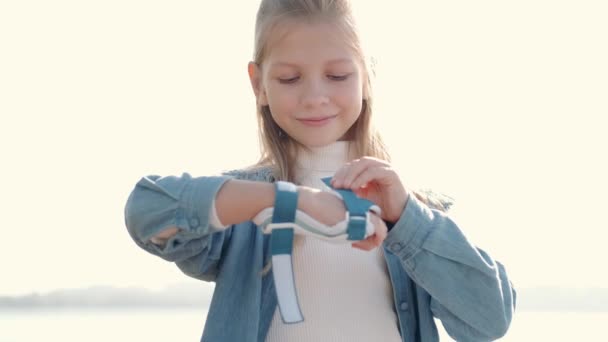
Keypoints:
pixel 374 179
pixel 375 240
pixel 329 209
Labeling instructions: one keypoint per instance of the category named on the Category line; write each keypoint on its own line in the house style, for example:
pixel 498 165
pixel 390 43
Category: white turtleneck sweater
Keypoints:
pixel 345 293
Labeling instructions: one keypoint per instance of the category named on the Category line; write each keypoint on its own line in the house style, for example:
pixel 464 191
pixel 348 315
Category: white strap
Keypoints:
pixel 306 225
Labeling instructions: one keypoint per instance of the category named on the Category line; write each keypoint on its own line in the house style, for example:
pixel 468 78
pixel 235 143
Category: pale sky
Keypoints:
pixel 497 104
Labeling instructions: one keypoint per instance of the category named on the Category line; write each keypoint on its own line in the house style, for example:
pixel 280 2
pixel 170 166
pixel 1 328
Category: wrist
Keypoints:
pixel 321 205
pixel 398 211
pixel 305 199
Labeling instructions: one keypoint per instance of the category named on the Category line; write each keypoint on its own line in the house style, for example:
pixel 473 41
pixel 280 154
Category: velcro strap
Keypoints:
pixel 281 246
pixel 357 208
pixel 355 205
pixel 356 228
pixel 285 202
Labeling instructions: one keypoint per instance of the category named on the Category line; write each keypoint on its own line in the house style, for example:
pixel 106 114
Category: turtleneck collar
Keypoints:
pixel 327 158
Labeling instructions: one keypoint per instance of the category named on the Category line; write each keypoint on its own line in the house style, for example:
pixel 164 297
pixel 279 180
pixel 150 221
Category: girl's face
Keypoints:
pixel 312 81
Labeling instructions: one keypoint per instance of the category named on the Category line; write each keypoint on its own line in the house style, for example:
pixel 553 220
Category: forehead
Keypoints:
pixel 309 42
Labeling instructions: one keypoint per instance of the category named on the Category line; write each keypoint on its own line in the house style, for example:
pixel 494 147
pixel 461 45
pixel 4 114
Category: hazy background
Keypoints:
pixel 497 104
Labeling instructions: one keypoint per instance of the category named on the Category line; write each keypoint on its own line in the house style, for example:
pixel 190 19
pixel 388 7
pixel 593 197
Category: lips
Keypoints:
pixel 317 120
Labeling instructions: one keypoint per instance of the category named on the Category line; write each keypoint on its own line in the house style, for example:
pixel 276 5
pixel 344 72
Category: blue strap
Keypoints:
pixel 281 246
pixel 285 202
pixel 357 208
pixel 285 206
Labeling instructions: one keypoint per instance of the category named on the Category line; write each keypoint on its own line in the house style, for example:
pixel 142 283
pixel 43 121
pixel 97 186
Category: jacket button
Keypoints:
pixel 194 222
pixel 403 306
pixel 397 246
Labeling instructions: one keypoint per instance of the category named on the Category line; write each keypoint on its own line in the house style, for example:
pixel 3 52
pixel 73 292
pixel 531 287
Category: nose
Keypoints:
pixel 316 93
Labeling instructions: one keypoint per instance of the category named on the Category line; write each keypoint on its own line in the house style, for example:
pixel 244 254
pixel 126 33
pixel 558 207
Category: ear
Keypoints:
pixel 255 76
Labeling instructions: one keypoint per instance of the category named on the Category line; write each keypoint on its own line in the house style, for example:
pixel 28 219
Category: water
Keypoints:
pixel 154 325
pixel 94 325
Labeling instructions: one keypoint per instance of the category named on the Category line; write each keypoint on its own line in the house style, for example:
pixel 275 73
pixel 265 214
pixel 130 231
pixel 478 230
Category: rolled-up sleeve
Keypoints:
pixel 470 292
pixel 157 203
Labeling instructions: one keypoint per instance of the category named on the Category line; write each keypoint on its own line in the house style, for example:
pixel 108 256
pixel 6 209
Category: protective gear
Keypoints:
pixel 284 220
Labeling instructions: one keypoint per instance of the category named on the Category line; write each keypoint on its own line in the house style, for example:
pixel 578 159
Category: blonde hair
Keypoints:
pixel 278 150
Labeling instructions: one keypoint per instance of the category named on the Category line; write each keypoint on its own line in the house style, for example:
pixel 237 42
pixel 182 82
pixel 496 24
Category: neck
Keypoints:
pixel 327 158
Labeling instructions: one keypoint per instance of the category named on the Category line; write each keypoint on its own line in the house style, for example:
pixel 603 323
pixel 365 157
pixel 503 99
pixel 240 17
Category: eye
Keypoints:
pixel 338 77
pixel 288 80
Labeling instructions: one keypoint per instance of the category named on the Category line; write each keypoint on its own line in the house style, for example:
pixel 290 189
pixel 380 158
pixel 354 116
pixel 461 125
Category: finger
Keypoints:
pixel 371 242
pixel 367 249
pixel 366 245
pixel 382 233
pixel 340 175
pixel 358 166
pixel 380 229
pixel 379 173
pixel 337 179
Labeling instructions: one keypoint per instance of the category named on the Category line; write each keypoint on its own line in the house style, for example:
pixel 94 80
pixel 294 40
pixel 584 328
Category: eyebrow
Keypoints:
pixel 333 61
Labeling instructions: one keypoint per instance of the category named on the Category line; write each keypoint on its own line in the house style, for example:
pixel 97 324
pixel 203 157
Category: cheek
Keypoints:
pixel 281 101
pixel 350 96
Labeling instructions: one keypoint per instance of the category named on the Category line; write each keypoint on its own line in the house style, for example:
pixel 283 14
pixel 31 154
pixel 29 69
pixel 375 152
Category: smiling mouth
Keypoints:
pixel 317 118
pixel 317 121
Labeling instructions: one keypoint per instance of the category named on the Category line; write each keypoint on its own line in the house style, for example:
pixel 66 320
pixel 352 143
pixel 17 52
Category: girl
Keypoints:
pixel 311 81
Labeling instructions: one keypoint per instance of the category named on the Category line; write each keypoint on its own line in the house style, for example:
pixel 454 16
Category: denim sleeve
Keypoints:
pixel 470 292
pixel 157 203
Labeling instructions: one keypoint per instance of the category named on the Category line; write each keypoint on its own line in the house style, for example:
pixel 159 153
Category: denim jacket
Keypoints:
pixel 434 270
